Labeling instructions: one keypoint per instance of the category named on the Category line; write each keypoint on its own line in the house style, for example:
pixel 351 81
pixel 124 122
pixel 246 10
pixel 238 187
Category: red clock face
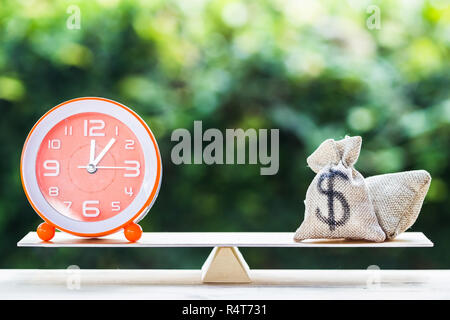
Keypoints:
pixel 90 167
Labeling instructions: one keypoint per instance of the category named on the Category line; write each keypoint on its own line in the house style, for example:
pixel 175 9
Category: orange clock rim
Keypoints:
pixel 140 211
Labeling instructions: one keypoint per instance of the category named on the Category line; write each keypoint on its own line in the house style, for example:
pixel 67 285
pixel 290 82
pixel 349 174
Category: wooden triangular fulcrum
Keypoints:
pixel 225 265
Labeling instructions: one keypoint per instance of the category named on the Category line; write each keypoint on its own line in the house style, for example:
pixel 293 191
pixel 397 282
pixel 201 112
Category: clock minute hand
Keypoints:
pixel 104 151
pixel 92 152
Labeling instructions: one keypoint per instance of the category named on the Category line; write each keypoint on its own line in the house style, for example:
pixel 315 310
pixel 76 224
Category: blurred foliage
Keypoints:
pixel 311 68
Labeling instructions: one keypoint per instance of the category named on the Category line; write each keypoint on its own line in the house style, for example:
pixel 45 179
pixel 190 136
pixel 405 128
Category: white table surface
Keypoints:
pixel 186 284
pixel 213 239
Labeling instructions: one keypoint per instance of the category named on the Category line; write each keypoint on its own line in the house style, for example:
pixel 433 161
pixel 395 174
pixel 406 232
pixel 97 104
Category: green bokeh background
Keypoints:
pixel 313 69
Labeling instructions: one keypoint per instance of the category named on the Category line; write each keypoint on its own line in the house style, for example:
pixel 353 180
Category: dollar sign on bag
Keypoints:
pixel 332 195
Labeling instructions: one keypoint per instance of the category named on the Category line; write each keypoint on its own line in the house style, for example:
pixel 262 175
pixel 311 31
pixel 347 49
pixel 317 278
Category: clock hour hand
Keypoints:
pixel 103 152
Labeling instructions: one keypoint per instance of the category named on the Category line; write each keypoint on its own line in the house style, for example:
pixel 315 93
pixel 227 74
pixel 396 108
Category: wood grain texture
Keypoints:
pixel 186 284
pixel 218 239
pixel 225 265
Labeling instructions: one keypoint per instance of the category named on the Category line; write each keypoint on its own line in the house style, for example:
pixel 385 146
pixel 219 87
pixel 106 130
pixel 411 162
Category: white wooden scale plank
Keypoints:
pixel 218 239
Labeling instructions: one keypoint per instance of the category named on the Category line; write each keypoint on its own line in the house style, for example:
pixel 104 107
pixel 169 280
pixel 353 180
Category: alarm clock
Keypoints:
pixel 91 167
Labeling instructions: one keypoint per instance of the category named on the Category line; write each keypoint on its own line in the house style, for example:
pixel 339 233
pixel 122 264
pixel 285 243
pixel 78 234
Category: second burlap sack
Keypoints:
pixel 337 203
pixel 397 199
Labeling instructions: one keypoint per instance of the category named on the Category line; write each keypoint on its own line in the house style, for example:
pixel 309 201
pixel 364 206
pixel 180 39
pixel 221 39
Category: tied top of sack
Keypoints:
pixel 337 203
pixel 332 152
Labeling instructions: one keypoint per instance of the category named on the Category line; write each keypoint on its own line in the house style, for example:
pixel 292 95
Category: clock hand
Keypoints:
pixel 104 151
pixel 92 152
pixel 106 167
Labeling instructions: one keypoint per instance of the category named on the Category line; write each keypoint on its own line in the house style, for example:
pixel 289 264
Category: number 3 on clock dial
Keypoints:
pixel 90 166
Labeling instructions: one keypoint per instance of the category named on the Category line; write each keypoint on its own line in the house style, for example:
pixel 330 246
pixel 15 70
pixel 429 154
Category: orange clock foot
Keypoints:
pixel 45 231
pixel 133 232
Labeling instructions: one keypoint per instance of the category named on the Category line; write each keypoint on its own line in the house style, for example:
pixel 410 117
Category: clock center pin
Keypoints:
pixel 91 168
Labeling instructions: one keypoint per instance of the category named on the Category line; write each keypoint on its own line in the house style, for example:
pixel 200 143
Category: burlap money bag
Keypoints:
pixel 397 199
pixel 337 203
